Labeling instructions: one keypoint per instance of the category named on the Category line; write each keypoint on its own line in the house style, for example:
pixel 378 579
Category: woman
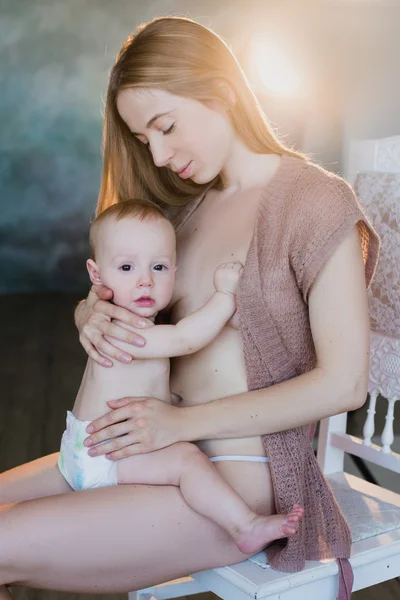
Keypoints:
pixel 183 127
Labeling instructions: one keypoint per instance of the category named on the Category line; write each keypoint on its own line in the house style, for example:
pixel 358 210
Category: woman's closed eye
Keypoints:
pixel 169 130
pixel 145 141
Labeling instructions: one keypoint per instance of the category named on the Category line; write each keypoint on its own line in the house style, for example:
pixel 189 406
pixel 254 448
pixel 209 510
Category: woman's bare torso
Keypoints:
pixel 220 230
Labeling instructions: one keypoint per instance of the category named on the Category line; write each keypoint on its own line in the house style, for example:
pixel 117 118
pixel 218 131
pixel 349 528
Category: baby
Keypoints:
pixel 134 254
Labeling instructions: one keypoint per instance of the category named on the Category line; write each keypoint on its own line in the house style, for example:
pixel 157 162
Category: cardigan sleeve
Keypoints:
pixel 325 211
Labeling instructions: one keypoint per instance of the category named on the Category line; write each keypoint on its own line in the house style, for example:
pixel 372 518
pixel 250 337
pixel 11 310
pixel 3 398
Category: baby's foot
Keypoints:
pixel 261 531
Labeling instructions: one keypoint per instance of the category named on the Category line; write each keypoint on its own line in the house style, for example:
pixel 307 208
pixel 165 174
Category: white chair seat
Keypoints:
pixel 373 514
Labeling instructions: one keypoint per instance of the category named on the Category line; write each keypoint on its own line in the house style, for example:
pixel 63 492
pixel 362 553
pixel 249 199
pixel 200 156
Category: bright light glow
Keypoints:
pixel 271 66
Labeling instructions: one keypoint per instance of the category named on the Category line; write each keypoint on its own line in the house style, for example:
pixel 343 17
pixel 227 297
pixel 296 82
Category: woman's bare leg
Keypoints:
pixel 35 479
pixel 111 539
pixel 4 593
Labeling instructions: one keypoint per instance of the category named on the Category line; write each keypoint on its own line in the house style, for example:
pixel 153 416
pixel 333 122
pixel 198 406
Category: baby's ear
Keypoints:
pixel 93 271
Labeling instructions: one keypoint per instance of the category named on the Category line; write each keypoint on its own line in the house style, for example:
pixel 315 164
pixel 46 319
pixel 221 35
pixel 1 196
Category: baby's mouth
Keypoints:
pixel 145 301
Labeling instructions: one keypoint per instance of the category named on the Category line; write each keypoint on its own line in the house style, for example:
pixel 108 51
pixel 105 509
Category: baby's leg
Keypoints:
pixel 184 465
pixel 35 479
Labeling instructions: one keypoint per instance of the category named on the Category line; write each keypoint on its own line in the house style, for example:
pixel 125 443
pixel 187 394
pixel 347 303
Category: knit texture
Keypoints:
pixel 303 214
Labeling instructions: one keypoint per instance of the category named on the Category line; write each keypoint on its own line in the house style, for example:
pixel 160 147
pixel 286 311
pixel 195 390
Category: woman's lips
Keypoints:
pixel 187 171
pixel 145 301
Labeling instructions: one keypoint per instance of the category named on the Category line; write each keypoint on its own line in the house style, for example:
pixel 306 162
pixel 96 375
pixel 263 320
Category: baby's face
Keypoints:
pixel 137 261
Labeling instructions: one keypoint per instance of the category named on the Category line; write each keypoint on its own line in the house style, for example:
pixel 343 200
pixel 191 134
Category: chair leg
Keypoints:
pixel 139 595
pixel 186 586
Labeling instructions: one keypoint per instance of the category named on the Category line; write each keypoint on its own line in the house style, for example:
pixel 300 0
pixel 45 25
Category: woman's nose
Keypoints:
pixel 161 154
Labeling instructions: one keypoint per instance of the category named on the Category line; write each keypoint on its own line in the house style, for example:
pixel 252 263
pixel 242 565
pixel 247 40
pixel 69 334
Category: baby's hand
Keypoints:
pixel 226 277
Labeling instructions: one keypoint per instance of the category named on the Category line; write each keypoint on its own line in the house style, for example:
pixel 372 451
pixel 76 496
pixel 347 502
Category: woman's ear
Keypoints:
pixel 228 93
pixel 93 271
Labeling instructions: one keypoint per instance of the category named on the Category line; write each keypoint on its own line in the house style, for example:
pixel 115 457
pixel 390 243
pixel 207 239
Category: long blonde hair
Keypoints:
pixel 180 56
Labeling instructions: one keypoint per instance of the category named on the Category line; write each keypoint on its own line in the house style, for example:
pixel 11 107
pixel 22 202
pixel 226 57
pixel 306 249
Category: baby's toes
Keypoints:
pixel 292 518
pixel 290 528
pixel 295 515
pixel 297 509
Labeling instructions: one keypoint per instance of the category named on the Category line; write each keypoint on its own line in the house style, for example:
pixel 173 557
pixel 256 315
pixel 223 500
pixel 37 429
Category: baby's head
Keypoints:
pixel 134 254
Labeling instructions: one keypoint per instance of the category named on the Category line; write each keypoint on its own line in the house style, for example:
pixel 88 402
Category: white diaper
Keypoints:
pixel 79 469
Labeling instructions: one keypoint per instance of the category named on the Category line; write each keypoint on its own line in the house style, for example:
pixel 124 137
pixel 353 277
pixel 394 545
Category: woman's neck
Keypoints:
pixel 246 169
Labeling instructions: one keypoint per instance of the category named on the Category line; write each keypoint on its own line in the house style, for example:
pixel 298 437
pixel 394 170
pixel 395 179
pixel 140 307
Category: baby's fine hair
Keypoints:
pixel 136 208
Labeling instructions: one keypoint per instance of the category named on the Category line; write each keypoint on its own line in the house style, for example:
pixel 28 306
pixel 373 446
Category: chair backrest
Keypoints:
pixel 372 156
pixel 373 167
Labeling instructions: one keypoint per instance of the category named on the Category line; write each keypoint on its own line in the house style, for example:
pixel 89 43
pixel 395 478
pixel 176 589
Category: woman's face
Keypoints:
pixel 191 138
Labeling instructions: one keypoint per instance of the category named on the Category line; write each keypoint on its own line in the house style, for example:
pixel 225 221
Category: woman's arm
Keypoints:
pixel 340 327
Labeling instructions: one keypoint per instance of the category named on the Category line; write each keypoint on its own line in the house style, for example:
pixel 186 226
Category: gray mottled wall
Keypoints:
pixel 55 59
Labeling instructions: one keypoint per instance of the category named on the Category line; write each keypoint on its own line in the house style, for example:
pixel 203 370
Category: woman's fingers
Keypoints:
pixel 96 320
pixel 119 422
pixel 134 447
pixel 108 350
pixel 122 447
pixel 110 418
pixel 119 313
pixel 103 292
pixel 94 355
pixel 93 333
pixel 119 402
pixel 111 433
pixel 120 333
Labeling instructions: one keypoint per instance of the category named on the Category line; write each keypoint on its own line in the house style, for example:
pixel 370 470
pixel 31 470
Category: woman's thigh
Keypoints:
pixel 35 479
pixel 111 539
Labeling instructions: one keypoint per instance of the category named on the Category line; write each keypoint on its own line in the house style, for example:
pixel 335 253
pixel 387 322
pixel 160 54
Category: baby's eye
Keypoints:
pixel 126 268
pixel 159 267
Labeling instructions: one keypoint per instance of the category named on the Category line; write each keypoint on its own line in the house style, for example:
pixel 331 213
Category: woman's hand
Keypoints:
pixel 145 424
pixel 93 318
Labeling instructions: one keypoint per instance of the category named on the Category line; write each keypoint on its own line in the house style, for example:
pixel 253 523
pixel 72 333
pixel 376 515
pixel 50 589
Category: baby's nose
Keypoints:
pixel 145 280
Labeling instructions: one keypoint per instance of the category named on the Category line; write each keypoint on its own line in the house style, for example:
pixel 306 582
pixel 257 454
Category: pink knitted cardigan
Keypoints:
pixel 303 214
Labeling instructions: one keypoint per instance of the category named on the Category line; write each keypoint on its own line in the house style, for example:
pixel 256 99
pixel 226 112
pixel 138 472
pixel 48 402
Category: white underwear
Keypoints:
pixel 233 457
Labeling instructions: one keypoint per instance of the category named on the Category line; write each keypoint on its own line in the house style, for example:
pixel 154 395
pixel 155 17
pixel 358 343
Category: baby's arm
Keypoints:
pixel 196 330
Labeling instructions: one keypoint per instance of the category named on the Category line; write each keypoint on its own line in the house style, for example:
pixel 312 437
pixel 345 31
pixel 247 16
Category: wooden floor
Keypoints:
pixel 40 341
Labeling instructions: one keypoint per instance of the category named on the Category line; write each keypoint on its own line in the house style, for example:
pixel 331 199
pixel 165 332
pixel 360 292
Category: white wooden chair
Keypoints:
pixel 372 512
